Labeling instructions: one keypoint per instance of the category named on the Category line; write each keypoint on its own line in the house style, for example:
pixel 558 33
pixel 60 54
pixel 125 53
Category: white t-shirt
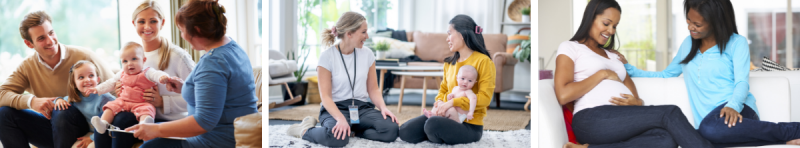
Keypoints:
pixel 587 63
pixel 340 86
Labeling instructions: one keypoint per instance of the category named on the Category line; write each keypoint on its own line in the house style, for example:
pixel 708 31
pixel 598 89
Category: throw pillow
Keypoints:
pixel 398 49
pixel 514 41
pixel 769 65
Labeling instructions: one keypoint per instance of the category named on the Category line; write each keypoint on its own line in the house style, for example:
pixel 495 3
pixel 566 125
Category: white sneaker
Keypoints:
pixel 147 119
pixel 99 125
pixel 296 130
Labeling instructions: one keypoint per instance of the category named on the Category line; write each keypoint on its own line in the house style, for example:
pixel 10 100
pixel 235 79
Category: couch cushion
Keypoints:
pixel 433 46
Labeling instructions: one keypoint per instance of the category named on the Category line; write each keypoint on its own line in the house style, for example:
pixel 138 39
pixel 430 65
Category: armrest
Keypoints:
pixel 504 58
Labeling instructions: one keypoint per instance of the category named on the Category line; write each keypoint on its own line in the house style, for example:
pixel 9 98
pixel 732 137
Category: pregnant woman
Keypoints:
pixel 608 112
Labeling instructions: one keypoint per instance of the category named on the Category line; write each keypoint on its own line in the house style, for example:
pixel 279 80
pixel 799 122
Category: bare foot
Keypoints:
pixel 793 142
pixel 573 145
pixel 426 113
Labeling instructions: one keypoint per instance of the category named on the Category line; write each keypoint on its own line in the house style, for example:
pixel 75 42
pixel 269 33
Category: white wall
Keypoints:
pixel 555 26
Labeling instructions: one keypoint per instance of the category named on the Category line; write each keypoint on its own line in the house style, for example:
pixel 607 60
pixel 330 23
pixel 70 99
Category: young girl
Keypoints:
pixel 135 79
pixel 82 76
pixel 467 75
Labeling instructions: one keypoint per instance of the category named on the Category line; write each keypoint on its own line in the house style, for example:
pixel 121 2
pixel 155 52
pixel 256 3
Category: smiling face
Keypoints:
pixel 454 39
pixel 44 40
pixel 132 59
pixel 85 77
pixel 699 28
pixel 605 25
pixel 148 24
pixel 359 36
pixel 466 78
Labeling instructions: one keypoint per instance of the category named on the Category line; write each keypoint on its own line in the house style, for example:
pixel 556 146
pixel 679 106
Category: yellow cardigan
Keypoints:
pixel 484 88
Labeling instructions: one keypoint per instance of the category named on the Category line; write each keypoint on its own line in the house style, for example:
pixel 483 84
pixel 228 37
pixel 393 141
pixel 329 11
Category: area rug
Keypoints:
pixel 508 139
pixel 495 120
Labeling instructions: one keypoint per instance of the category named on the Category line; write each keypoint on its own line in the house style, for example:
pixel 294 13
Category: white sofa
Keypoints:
pixel 772 98
pixel 794 88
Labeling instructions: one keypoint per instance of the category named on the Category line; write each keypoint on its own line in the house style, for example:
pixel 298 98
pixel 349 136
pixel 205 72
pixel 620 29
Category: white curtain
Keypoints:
pixel 487 13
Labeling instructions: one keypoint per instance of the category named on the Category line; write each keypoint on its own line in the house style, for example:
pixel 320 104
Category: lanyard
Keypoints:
pixel 351 82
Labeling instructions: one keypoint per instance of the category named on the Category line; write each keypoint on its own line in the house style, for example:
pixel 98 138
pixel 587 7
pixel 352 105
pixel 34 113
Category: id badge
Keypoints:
pixel 354 114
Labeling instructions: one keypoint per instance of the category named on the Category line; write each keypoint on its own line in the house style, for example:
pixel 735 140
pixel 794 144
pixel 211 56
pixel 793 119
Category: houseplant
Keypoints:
pixel 381 48
pixel 306 19
pixel 523 51
pixel 526 14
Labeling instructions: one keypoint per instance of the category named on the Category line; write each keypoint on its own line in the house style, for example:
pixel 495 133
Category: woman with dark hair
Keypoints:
pixel 607 109
pixel 715 61
pixel 466 40
pixel 218 90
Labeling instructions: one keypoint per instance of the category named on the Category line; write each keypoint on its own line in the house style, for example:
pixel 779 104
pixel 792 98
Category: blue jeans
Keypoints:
pixel 116 139
pixel 636 126
pixel 750 132
pixel 163 143
pixel 20 127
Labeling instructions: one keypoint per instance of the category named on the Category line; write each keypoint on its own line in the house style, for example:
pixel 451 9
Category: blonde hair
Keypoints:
pixel 72 88
pixel 164 50
pixel 133 45
pixel 349 22
pixel 35 18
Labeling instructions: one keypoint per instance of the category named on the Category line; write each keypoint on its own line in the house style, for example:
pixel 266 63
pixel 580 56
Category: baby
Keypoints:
pixel 466 78
pixel 134 80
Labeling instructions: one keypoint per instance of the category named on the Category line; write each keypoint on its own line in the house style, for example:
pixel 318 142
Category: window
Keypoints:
pixel 636 32
pixel 381 14
pixel 763 23
pixel 88 23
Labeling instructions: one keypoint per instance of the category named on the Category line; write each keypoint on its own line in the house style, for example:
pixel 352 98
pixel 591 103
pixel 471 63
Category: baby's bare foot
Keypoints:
pixel 793 142
pixel 426 113
pixel 573 145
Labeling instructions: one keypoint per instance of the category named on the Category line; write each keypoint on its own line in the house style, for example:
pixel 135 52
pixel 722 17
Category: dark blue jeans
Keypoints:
pixel 751 132
pixel 20 127
pixel 636 126
pixel 116 139
pixel 163 143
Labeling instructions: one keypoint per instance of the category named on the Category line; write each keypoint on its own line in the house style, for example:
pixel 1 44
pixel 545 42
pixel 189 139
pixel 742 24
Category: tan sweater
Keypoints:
pixel 37 79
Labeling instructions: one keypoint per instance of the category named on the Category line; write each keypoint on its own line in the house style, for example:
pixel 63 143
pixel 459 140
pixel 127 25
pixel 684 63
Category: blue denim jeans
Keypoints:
pixel 163 143
pixel 636 126
pixel 115 139
pixel 20 127
pixel 750 132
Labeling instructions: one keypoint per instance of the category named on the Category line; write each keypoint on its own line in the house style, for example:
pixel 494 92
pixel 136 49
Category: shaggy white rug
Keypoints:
pixel 509 139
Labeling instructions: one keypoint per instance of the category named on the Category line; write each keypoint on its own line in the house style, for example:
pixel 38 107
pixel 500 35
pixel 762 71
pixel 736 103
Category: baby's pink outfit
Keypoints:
pixel 131 97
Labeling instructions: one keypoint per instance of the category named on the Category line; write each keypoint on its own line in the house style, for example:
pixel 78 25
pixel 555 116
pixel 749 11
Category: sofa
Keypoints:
pixel 772 95
pixel 433 46
pixel 794 88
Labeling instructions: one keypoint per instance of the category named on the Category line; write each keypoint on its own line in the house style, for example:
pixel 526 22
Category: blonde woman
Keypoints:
pixel 148 19
pixel 347 78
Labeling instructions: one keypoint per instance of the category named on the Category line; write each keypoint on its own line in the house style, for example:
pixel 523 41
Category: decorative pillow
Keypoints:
pixel 514 41
pixel 397 49
pixel 769 65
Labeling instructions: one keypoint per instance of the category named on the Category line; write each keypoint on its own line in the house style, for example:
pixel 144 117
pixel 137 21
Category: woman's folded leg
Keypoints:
pixel 750 132
pixel 375 127
pixel 443 130
pixel 612 124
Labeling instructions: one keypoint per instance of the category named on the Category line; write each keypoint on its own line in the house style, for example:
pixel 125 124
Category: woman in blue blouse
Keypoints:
pixel 715 61
pixel 217 91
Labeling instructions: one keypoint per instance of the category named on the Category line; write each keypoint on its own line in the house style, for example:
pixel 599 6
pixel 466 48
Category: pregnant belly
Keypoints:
pixel 601 94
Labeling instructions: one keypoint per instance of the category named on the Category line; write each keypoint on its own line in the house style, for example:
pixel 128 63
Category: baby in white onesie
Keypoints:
pixel 466 78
